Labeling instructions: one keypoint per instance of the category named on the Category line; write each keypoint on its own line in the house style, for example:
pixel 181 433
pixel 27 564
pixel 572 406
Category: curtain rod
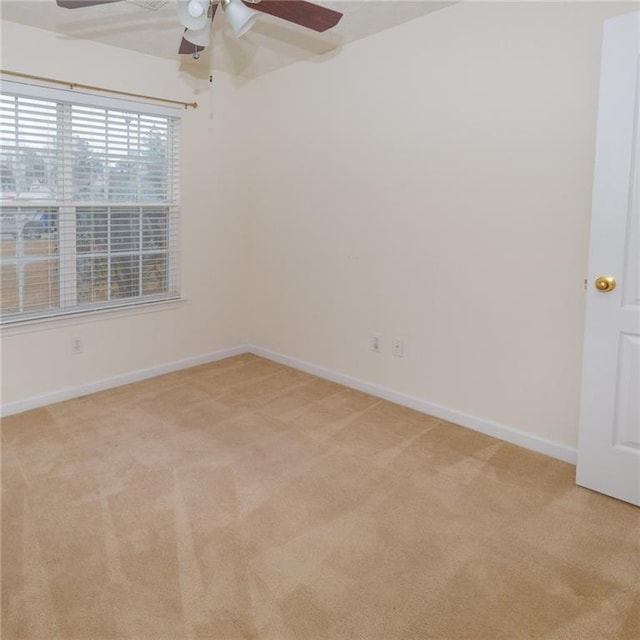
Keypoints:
pixel 78 85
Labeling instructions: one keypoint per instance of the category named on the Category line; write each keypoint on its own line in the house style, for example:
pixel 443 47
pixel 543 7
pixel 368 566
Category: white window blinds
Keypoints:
pixel 89 202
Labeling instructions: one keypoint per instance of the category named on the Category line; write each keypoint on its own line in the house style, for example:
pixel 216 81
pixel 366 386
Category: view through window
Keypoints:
pixel 89 204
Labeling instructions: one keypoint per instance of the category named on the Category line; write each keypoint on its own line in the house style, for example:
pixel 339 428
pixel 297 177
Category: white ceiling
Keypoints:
pixel 271 44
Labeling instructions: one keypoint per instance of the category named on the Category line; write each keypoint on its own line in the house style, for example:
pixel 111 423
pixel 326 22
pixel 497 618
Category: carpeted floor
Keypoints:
pixel 243 499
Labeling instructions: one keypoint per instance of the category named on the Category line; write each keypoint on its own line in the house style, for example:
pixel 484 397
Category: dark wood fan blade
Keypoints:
pixel 76 4
pixel 306 14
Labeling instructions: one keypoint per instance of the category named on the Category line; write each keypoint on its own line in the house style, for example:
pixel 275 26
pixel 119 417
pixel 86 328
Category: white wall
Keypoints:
pixel 434 182
pixel 212 318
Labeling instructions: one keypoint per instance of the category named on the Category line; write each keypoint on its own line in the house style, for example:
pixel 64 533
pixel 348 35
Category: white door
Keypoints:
pixel 609 445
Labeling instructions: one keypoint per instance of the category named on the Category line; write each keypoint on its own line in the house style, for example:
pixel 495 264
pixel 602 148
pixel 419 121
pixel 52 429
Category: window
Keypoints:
pixel 89 203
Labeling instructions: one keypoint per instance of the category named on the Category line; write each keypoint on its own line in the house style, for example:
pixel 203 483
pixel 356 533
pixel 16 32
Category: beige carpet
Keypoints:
pixel 243 499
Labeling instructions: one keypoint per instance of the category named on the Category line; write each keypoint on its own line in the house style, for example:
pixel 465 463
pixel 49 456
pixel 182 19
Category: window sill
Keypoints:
pixel 94 315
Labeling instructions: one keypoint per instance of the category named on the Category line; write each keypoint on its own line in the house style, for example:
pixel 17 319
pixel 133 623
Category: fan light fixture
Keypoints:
pixel 195 9
pixel 240 17
pixel 193 14
pixel 199 37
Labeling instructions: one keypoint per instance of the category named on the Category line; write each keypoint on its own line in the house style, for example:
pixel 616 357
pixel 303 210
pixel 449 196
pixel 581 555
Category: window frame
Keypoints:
pixel 69 209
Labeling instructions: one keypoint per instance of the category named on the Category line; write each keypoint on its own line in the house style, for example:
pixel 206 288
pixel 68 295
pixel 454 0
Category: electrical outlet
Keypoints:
pixel 76 346
pixel 397 347
pixel 375 343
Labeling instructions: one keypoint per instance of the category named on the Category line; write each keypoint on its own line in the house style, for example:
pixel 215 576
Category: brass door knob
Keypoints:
pixel 605 283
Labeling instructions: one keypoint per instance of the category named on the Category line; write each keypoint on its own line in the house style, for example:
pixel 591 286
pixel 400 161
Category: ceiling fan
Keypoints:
pixel 196 16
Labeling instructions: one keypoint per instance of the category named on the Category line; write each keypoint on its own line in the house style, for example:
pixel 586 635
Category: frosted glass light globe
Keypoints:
pixel 195 9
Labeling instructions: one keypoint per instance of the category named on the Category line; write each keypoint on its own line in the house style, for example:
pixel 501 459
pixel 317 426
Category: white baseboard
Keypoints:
pixel 502 432
pixel 36 402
